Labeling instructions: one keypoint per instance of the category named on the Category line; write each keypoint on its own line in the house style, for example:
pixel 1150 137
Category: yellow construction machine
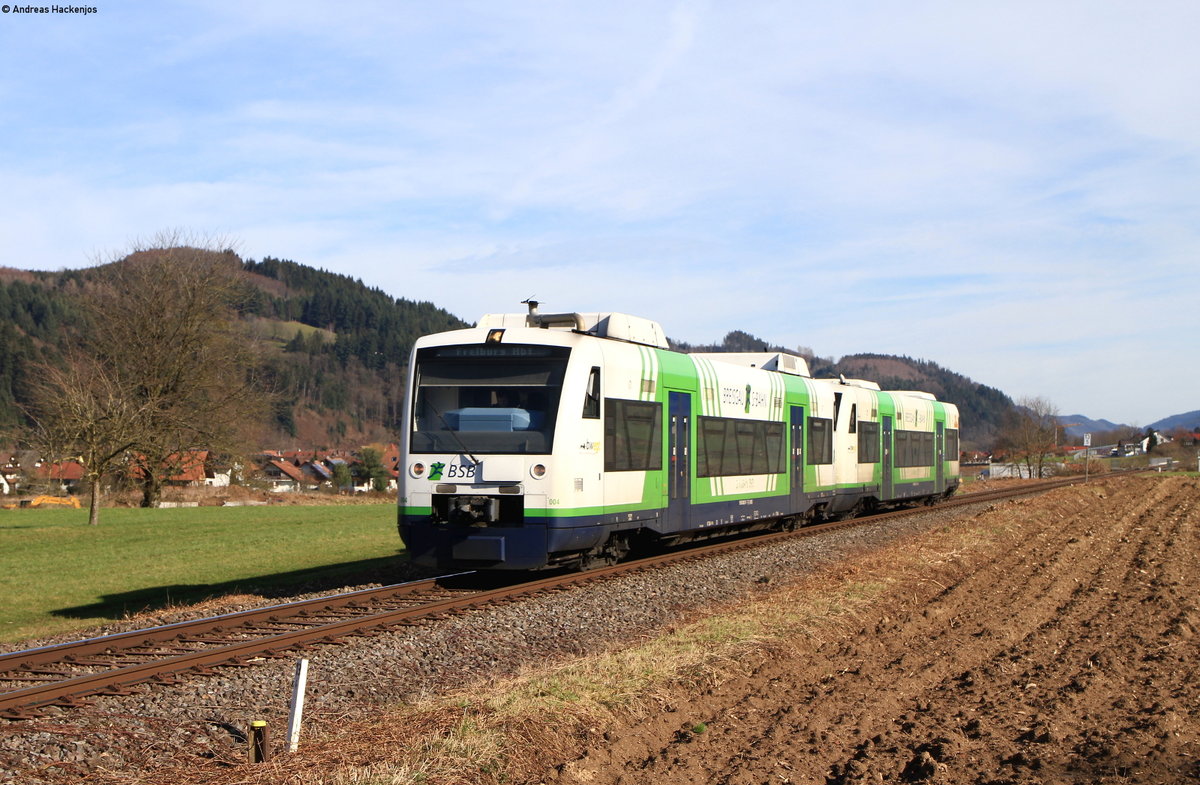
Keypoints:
pixel 44 501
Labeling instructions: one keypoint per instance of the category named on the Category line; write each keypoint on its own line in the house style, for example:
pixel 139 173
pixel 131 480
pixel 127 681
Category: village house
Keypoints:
pixel 189 469
pixel 281 476
pixel 61 476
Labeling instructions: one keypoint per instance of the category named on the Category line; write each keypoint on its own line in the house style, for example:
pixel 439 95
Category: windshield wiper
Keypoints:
pixel 453 433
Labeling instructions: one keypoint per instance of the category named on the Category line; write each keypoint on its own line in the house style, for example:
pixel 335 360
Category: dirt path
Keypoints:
pixel 1066 653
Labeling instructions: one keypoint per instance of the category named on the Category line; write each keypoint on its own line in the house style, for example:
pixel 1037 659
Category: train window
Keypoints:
pixel 632 435
pixel 591 400
pixel 951 444
pixel 775 447
pixel 868 442
pixel 914 448
pixel 710 446
pixel 820 440
pixel 487 400
pixel 854 418
pixel 727 447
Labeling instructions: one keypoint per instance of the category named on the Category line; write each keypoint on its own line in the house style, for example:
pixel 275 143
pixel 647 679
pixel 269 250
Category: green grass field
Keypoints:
pixel 57 573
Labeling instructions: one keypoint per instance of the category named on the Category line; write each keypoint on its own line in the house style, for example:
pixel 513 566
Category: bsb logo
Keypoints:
pixel 435 470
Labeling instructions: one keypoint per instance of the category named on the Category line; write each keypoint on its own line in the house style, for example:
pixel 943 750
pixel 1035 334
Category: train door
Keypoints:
pixel 939 450
pixel 798 502
pixel 888 492
pixel 679 471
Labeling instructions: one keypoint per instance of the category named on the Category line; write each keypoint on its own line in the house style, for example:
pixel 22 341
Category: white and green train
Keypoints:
pixel 543 440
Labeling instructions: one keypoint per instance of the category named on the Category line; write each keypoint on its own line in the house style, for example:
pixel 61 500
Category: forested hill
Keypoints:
pixel 982 408
pixel 340 374
pixel 369 325
pixel 35 318
pixel 333 350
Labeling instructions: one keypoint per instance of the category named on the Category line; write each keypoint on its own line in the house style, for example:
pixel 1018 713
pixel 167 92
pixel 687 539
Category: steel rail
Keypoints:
pixel 152 636
pixel 25 702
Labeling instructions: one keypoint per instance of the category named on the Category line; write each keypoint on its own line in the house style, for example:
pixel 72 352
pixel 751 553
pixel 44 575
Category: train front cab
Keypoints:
pixel 482 445
pixel 505 455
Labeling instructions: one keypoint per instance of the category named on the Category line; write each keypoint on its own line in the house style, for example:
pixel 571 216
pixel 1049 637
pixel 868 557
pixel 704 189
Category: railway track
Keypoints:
pixel 67 674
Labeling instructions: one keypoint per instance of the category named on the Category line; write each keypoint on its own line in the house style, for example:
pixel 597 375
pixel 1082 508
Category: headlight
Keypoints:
pixel 417 469
pixel 538 471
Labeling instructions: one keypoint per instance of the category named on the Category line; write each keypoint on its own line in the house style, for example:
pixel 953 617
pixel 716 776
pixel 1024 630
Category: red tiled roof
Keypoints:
pixel 190 465
pixel 291 471
pixel 66 470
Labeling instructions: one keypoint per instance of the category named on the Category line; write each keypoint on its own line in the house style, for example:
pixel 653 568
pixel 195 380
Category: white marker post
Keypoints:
pixel 1087 451
pixel 299 685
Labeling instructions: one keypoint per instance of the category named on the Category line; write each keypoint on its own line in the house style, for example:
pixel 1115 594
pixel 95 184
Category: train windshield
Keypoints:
pixel 487 398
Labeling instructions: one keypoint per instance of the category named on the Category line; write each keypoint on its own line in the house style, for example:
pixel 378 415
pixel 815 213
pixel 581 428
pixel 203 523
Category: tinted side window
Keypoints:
pixel 632 435
pixel 868 442
pixel 727 447
pixel 914 448
pixel 591 399
pixel 820 440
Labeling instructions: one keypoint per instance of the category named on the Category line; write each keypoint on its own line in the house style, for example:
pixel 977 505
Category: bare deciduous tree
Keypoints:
pixel 1030 433
pixel 81 412
pixel 163 369
pixel 167 317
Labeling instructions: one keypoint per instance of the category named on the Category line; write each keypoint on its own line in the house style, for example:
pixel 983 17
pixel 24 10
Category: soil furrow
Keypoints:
pixel 1061 649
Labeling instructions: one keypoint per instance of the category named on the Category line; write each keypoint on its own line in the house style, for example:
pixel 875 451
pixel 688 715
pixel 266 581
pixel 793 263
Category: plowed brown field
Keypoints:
pixel 1065 650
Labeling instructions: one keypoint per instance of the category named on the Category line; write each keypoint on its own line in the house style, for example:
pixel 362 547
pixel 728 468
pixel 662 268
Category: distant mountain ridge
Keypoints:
pixel 1188 420
pixel 1077 425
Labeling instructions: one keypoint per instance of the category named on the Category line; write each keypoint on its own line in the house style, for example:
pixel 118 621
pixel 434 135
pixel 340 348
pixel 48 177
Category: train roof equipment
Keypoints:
pixel 614 326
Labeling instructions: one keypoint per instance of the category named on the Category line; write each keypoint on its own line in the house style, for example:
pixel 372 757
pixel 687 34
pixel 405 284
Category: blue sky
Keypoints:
pixel 1009 190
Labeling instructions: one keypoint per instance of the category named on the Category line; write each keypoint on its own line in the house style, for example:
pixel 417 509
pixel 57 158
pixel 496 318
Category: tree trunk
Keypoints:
pixel 151 490
pixel 94 502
